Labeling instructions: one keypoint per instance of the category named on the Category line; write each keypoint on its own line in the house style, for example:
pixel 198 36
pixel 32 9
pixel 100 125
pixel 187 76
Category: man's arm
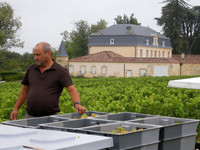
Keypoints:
pixel 20 100
pixel 75 98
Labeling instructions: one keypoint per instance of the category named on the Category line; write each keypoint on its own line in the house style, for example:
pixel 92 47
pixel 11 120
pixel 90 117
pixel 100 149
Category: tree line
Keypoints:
pixel 179 21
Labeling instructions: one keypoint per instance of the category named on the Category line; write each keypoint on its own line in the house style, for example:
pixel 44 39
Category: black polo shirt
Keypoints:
pixel 45 89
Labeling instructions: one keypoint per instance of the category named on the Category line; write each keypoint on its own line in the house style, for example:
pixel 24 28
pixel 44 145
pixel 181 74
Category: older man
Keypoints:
pixel 43 84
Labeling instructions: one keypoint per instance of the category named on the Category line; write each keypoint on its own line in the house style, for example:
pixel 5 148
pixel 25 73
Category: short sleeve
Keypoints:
pixel 65 78
pixel 25 80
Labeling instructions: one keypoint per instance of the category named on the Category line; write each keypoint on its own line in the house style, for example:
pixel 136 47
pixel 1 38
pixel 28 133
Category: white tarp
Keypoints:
pixel 190 83
pixel 16 138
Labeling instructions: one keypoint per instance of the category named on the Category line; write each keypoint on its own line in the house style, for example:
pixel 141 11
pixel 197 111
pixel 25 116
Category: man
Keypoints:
pixel 43 84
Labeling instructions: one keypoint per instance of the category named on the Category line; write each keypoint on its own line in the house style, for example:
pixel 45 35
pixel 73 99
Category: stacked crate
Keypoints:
pixel 151 132
pixel 175 133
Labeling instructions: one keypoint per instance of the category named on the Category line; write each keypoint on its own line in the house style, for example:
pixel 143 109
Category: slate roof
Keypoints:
pixel 120 29
pixel 138 37
pixel 62 51
pixel 111 57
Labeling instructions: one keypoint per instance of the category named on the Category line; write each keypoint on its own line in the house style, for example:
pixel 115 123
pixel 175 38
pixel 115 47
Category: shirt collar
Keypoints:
pixel 53 67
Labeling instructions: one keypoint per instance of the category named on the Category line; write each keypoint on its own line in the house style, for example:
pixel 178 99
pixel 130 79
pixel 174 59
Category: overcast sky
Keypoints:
pixel 44 20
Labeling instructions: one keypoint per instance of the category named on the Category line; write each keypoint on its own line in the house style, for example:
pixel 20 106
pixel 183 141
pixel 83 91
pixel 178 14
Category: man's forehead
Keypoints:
pixel 37 51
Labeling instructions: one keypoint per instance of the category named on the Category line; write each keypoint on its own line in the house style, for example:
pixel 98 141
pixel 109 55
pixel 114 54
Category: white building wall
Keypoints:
pixel 121 69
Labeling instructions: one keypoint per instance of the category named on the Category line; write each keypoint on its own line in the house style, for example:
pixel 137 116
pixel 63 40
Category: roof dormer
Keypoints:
pixel 129 30
pixel 155 40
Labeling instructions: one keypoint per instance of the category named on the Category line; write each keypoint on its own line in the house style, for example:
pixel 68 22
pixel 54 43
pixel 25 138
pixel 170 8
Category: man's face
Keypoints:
pixel 40 57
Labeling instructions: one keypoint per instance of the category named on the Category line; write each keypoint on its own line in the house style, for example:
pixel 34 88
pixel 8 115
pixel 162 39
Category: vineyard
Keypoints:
pixel 149 95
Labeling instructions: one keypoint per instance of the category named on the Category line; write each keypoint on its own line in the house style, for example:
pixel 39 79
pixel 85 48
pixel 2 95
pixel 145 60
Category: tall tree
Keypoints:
pixel 126 20
pixel 196 45
pixel 190 28
pixel 180 24
pixel 77 40
pixel 9 25
pixel 26 60
pixel 80 38
pixel 10 61
pixel 102 24
pixel 68 43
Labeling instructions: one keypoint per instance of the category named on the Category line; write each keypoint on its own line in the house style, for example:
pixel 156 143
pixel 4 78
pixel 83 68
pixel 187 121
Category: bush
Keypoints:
pixel 12 76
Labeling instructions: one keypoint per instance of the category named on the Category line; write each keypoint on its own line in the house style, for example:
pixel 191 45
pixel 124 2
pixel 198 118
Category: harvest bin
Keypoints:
pixel 33 122
pixel 172 127
pixel 124 116
pixel 181 143
pixel 73 125
pixel 175 132
pixel 147 138
pixel 78 116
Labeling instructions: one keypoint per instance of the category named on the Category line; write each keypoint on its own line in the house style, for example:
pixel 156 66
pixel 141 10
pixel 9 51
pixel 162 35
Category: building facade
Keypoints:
pixel 131 40
pixel 125 50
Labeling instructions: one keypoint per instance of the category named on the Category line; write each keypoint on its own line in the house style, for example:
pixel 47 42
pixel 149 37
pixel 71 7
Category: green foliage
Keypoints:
pixel 8 96
pixel 77 40
pixel 9 25
pixel 102 24
pixel 11 61
pixel 181 24
pixel 126 20
pixel 149 95
pixel 12 76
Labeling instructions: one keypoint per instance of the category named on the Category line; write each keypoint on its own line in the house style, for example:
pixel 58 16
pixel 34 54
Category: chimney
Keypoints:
pixel 99 32
pixel 129 30
pixel 182 55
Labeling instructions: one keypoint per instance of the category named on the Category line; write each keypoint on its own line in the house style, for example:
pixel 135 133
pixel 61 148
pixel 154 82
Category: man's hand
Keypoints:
pixel 79 109
pixel 20 100
pixel 13 115
pixel 75 98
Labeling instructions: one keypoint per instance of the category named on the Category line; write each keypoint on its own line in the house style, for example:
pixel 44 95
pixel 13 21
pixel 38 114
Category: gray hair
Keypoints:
pixel 47 47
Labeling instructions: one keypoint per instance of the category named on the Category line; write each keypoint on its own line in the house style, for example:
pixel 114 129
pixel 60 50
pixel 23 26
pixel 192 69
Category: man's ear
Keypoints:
pixel 49 53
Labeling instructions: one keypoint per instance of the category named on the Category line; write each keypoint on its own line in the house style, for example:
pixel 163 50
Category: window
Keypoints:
pixel 143 72
pixel 82 69
pixel 163 54
pixel 93 70
pixel 151 53
pixel 71 69
pixel 128 73
pixel 155 53
pixel 59 60
pixel 163 43
pixel 147 53
pixel 159 54
pixel 141 53
pixel 112 41
pixel 168 54
pixel 147 42
pixel 104 69
pixel 155 40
